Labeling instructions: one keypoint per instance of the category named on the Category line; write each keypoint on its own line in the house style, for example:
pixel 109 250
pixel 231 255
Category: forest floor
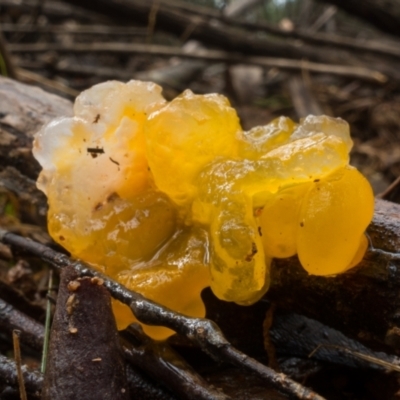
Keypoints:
pixel 65 48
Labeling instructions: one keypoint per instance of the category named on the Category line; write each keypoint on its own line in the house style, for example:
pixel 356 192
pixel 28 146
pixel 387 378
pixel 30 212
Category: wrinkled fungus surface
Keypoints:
pixel 169 198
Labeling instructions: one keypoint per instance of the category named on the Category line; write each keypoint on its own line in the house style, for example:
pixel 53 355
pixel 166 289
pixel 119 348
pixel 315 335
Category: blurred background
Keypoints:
pixel 270 57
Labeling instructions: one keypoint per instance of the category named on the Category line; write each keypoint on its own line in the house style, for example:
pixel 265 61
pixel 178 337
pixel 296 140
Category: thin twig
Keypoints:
pixel 7 58
pixel 384 195
pixel 47 324
pixel 152 21
pixel 18 363
pixel 26 75
pixel 202 331
pixel 356 354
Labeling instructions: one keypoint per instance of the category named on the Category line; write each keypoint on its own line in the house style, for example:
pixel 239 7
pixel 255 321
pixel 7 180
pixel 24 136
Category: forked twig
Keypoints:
pixel 202 331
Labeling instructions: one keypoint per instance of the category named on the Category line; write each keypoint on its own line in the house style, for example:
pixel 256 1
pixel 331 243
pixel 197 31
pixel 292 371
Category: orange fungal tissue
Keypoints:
pixel 171 197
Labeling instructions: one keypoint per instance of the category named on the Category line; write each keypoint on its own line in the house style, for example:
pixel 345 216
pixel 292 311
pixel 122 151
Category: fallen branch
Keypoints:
pixel 202 331
pixel 385 15
pixel 32 333
pixel 76 29
pixel 207 55
pixel 216 33
pixel 164 365
pixel 296 335
pixel 323 39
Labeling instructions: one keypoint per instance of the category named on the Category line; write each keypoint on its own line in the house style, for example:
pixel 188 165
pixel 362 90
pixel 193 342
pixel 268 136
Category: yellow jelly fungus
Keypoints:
pixel 169 198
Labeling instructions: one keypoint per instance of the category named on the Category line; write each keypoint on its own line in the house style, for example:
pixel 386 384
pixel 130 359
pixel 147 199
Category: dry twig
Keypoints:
pixel 18 364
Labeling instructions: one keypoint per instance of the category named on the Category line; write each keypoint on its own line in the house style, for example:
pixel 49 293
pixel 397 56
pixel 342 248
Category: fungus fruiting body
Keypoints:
pixel 171 197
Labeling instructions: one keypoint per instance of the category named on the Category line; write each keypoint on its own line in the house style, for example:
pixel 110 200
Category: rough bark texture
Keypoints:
pixel 85 359
pixel 23 110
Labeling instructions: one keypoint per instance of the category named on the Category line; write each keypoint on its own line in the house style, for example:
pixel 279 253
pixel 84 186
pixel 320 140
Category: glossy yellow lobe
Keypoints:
pixel 169 198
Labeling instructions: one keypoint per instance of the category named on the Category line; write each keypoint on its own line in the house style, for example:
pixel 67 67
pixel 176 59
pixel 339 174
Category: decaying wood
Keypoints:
pixel 85 358
pixel 23 110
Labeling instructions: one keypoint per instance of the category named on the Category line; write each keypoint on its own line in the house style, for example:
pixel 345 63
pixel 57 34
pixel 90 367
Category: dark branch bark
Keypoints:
pixel 19 301
pixel 8 374
pixel 383 14
pixel 165 365
pixel 32 332
pixel 296 335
